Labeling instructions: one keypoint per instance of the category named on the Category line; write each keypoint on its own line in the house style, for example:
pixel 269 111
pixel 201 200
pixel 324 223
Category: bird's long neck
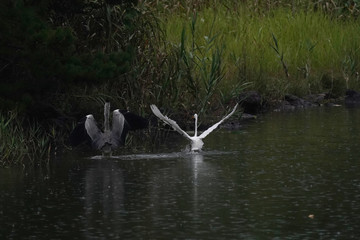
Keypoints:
pixel 106 117
pixel 196 120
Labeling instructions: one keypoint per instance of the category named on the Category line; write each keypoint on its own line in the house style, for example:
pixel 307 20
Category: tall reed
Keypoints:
pixel 313 48
pixel 23 143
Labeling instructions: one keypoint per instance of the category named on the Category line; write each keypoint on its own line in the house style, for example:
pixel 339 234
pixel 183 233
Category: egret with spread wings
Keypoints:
pixel 196 141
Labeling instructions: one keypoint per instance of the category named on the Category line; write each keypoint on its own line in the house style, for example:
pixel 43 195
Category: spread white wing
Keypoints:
pixel 168 121
pixel 213 127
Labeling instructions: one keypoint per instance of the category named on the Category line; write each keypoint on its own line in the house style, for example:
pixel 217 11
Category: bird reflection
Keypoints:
pixel 197 160
pixel 104 197
pixel 182 188
pixel 159 189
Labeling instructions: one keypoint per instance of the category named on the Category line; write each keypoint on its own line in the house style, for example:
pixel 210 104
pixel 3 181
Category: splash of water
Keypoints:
pixel 147 156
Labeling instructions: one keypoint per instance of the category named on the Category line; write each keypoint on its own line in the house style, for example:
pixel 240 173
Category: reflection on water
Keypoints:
pixel 286 176
pixel 104 198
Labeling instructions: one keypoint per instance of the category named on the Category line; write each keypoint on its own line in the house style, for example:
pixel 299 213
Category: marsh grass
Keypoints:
pixel 193 55
pixel 196 56
pixel 20 145
pixel 202 61
pixel 309 46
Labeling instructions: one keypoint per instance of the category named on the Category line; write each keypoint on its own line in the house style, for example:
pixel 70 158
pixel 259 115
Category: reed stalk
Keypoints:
pixel 22 143
pixel 308 44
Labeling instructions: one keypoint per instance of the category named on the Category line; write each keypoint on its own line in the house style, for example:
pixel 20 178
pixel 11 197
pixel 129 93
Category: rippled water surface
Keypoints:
pixel 284 176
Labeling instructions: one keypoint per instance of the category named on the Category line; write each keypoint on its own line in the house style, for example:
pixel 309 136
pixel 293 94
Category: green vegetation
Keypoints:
pixel 60 60
pixel 22 141
pixel 280 52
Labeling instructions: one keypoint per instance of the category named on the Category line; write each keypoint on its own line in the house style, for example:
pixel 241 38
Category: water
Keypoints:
pixel 284 176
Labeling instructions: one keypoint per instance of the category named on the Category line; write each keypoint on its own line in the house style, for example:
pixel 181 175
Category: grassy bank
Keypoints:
pixel 22 142
pixel 61 62
pixel 279 52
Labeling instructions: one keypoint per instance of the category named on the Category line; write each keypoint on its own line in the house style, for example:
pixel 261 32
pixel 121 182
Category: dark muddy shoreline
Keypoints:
pixel 254 105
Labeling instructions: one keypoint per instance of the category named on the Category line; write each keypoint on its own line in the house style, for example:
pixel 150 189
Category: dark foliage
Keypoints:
pixel 45 48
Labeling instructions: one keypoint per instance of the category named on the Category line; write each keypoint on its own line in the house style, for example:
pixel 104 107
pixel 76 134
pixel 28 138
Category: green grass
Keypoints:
pixel 20 145
pixel 315 48
pixel 189 56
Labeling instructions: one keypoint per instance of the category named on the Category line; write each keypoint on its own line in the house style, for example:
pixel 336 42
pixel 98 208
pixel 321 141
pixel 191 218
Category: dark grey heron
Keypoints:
pixel 110 139
pixel 195 141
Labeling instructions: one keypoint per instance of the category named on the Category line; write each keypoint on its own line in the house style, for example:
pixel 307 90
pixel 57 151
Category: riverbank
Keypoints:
pixel 184 56
pixel 275 52
pixel 253 105
pixel 35 146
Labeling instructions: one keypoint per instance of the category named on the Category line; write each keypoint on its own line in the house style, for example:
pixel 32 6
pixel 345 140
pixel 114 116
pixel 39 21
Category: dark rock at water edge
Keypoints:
pixel 352 98
pixel 317 99
pixel 251 102
pixel 254 104
pixel 292 102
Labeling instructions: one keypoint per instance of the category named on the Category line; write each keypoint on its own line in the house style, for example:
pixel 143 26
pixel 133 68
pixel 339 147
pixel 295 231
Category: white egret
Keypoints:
pixel 110 139
pixel 196 141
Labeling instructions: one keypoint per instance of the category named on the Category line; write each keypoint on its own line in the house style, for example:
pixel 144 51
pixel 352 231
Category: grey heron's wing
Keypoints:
pixel 94 132
pixel 213 127
pixel 118 133
pixel 133 121
pixel 168 121
pixel 79 134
